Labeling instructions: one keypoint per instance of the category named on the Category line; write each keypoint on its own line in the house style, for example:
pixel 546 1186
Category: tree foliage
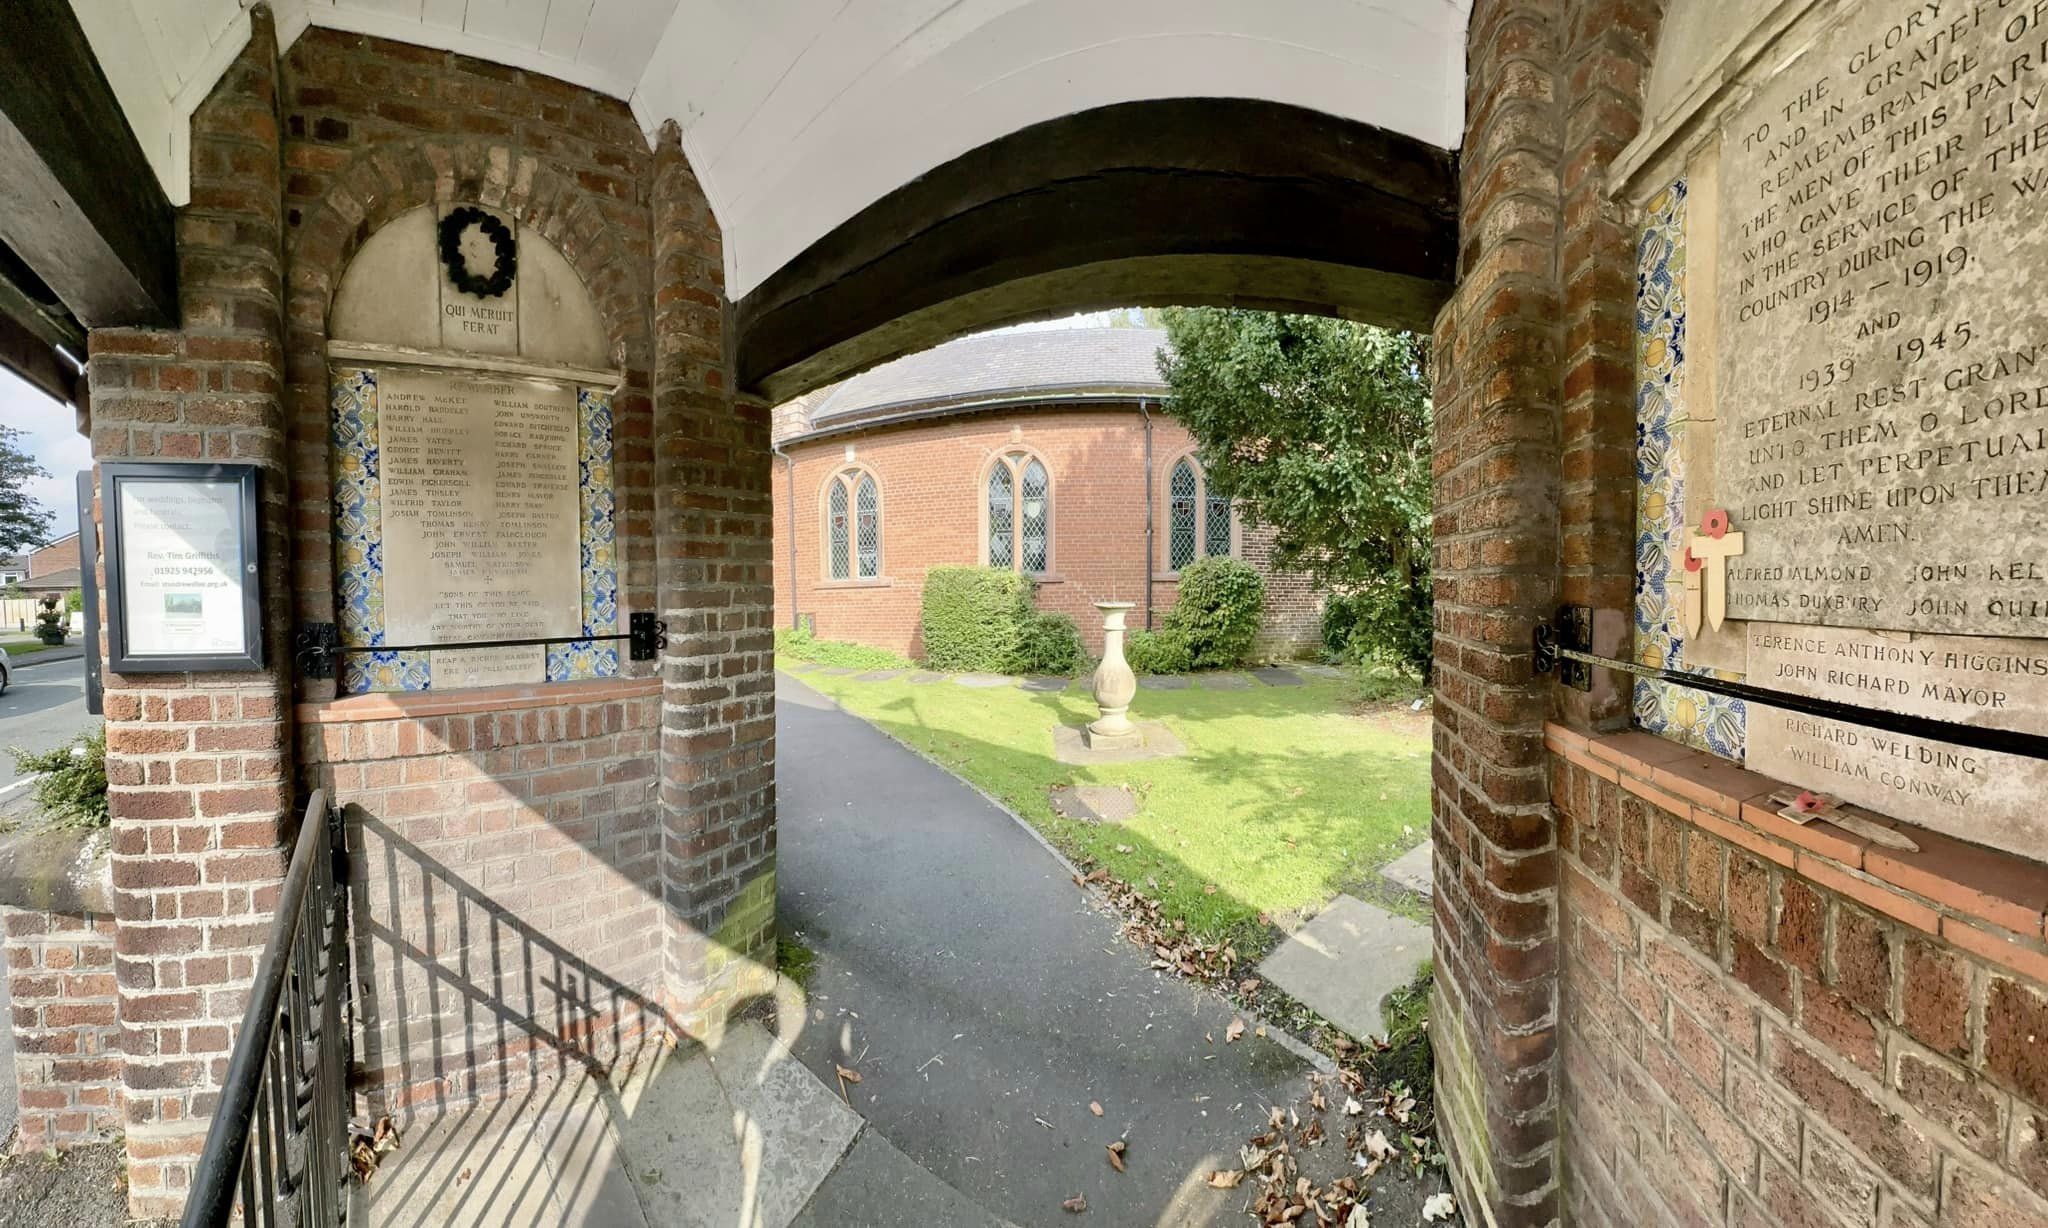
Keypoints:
pixel 23 521
pixel 1319 429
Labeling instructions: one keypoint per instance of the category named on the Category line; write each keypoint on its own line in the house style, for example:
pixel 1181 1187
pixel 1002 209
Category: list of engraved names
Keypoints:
pixel 480 507
pixel 1883 345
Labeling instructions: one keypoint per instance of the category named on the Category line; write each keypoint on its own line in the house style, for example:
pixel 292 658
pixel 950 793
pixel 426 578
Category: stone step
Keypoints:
pixel 1413 871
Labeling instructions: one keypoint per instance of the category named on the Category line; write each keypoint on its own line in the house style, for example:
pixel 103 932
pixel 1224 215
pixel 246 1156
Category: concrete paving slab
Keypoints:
pixel 1225 682
pixel 838 671
pixel 877 1184
pixel 881 675
pixel 805 667
pixel 1347 960
pixel 925 677
pixel 791 1129
pixel 984 680
pixel 1414 871
pixel 1273 675
pixel 676 1129
pixel 1047 683
pixel 1164 682
pixel 1068 746
pixel 587 1162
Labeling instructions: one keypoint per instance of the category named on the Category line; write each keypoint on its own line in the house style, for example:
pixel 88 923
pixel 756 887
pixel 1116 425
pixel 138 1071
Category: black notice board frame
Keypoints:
pixel 121 658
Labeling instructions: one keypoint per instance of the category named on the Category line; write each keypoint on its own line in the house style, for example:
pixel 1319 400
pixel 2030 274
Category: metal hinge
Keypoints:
pixel 1572 630
pixel 648 635
pixel 316 646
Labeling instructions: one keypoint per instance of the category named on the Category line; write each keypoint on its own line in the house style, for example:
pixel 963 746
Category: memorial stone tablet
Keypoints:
pixel 481 517
pixel 1883 373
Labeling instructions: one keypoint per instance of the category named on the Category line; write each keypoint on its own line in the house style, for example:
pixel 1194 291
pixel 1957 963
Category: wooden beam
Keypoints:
pixel 30 357
pixel 79 203
pixel 1186 201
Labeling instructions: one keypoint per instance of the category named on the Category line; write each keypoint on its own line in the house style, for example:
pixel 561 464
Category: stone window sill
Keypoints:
pixel 836 585
pixel 1986 901
pixel 417 705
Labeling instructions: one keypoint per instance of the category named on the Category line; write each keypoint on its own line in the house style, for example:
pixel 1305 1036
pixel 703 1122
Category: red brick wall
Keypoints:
pixel 509 847
pixel 67 1034
pixel 933 485
pixel 1770 1026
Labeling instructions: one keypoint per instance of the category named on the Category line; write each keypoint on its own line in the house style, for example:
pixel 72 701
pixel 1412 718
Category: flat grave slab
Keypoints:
pixel 1273 675
pixel 1095 803
pixel 1413 871
pixel 1047 683
pixel 925 677
pixel 1164 682
pixel 880 675
pixel 1225 682
pixel 984 681
pixel 1344 963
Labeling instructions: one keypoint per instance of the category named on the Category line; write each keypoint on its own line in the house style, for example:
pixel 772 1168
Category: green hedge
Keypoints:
pixel 1049 643
pixel 1217 611
pixel 974 618
pixel 1158 652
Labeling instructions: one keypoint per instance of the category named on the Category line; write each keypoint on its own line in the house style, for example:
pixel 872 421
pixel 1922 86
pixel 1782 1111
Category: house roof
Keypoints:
pixel 1000 367
pixel 63 578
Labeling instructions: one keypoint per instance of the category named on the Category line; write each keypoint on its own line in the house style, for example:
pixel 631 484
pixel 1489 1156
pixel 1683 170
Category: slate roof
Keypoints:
pixel 1002 366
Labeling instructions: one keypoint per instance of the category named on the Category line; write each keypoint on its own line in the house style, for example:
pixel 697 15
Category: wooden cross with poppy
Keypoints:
pixel 1706 587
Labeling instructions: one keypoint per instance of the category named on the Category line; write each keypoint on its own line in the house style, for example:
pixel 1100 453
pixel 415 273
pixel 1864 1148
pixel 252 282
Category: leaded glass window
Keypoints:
pixel 1216 526
pixel 1019 513
pixel 1001 516
pixel 1037 535
pixel 1182 493
pixel 836 528
pixel 868 527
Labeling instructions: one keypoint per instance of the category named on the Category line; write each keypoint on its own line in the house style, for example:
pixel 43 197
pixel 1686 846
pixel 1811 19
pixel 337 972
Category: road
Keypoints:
pixel 44 707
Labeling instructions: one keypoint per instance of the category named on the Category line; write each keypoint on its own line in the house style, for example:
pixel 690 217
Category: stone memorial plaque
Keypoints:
pixel 1987 797
pixel 1971 680
pixel 458 667
pixel 481 513
pixel 1881 386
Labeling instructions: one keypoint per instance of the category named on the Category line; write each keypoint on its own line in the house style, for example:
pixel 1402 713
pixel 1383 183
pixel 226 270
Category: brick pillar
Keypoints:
pixel 1497 487
pixel 197 765
pixel 1535 501
pixel 713 539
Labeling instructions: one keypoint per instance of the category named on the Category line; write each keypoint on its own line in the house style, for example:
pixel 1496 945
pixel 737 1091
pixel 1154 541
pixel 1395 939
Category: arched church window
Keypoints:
pixel 853 526
pixel 1198 520
pixel 1019 533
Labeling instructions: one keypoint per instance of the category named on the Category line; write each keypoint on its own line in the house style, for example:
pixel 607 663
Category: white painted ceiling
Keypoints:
pixel 796 114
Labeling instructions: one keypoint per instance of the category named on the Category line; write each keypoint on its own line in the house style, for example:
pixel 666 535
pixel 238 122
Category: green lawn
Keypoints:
pixel 1286 796
pixel 20 648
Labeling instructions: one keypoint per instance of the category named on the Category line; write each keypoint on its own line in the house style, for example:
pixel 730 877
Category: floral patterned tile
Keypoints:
pixel 1710 722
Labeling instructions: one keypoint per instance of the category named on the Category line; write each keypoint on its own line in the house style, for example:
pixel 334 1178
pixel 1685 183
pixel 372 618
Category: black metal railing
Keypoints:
pixel 278 1148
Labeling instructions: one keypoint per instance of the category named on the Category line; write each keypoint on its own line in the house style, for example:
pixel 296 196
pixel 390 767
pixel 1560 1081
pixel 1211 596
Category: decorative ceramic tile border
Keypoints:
pixel 1708 722
pixel 359 539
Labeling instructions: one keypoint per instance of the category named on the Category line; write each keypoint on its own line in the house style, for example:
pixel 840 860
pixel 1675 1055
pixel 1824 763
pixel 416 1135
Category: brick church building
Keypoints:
pixel 1046 451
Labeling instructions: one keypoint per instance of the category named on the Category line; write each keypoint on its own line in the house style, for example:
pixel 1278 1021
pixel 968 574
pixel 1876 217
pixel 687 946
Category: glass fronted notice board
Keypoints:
pixel 183 590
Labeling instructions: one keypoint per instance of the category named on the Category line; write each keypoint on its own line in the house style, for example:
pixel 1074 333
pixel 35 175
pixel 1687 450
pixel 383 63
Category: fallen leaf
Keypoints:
pixel 1438 1207
pixel 1095 1107
pixel 1235 1030
pixel 1222 1179
pixel 1077 1204
pixel 851 1076
pixel 1352 1107
pixel 1116 1155
pixel 1377 1146
pixel 1248 986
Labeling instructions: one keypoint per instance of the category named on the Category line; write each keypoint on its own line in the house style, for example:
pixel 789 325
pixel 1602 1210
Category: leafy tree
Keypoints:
pixel 23 521
pixel 1320 429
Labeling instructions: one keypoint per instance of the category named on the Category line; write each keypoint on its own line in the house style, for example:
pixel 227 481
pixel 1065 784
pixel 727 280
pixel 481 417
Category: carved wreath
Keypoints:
pixel 453 227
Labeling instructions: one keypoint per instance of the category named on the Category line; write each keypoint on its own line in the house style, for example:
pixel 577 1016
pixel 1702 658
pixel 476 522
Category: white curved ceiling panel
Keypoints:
pixel 799 113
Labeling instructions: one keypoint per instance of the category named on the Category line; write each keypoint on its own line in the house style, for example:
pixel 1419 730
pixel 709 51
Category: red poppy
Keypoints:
pixel 1808 801
pixel 1716 523
pixel 1692 563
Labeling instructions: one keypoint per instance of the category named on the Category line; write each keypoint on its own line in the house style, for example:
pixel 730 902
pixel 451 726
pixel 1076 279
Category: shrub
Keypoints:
pixel 1048 643
pixel 974 617
pixel 1218 611
pixel 1158 652
pixel 1382 620
pixel 71 790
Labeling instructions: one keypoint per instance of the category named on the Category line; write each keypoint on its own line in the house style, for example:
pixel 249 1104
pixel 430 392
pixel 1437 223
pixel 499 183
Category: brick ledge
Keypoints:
pixel 420 704
pixel 1987 901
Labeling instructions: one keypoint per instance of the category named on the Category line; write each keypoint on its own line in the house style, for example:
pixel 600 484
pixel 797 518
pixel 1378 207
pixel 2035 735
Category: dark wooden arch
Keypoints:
pixel 1185 201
